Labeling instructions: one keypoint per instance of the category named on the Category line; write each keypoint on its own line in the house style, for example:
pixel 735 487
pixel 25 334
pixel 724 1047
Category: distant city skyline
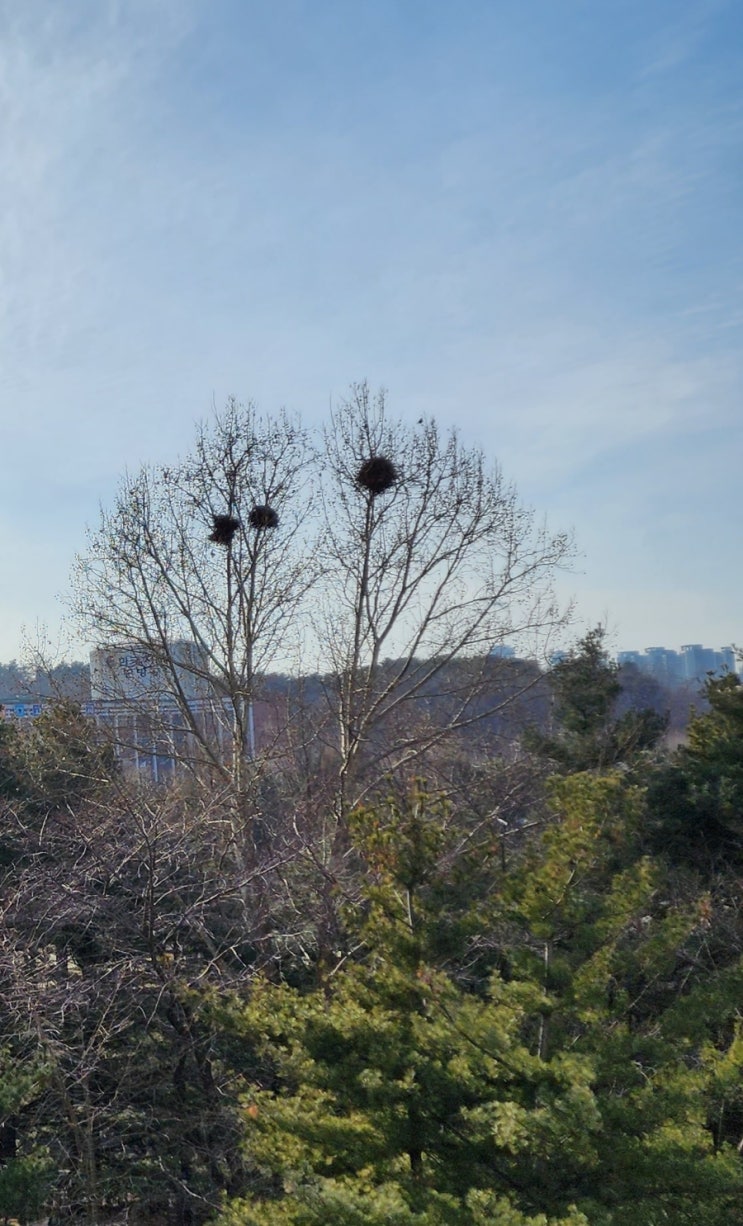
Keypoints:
pixel 522 220
pixel 691 662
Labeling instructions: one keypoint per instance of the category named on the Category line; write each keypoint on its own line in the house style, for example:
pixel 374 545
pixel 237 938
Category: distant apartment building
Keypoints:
pixel 155 708
pixel 130 672
pixel 692 663
pixel 161 712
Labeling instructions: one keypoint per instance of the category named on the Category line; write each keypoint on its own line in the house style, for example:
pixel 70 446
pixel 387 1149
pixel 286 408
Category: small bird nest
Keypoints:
pixel 376 475
pixel 224 529
pixel 263 517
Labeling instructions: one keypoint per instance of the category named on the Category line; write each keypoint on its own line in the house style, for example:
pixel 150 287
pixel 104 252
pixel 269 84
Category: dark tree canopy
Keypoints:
pixel 587 732
pixel 696 801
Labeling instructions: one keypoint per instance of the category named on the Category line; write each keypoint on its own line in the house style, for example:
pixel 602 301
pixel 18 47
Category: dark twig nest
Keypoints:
pixel 263 517
pixel 376 475
pixel 224 529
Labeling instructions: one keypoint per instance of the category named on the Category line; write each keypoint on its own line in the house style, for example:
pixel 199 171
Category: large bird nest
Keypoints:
pixel 263 517
pixel 224 528
pixel 376 475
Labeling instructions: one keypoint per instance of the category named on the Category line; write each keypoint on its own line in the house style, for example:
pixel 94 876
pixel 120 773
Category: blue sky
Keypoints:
pixel 523 218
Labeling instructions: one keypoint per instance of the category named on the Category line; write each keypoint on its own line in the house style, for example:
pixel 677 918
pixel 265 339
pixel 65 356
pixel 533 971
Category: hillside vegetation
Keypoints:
pixel 513 998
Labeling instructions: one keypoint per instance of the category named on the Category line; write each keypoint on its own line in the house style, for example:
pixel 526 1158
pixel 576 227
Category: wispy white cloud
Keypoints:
pixel 678 39
pixel 69 82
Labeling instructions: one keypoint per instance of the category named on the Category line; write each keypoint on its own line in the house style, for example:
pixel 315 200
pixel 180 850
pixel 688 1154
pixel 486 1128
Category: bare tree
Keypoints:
pixel 201 567
pixel 118 916
pixel 393 553
pixel 430 561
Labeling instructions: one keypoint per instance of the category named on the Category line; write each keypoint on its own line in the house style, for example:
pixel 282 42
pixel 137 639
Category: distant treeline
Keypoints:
pixel 22 683
pixel 640 691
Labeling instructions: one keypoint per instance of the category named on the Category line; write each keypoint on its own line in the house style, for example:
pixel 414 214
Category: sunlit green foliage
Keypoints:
pixel 393 1095
pixel 559 1093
